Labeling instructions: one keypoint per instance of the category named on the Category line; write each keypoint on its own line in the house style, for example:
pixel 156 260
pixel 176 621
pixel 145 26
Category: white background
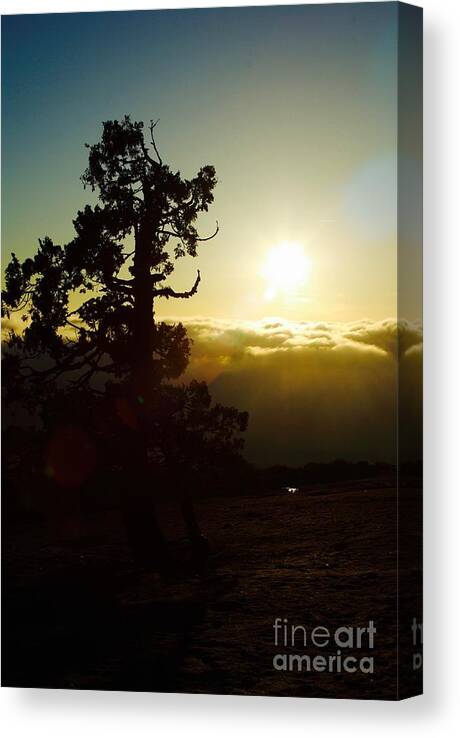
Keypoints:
pixel 64 713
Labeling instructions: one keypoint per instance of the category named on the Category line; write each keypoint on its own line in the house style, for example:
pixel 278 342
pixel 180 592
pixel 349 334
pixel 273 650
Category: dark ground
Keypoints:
pixel 81 615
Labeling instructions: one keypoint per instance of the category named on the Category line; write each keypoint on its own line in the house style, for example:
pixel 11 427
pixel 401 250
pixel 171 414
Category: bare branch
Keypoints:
pixel 173 234
pixel 169 292
pixel 208 238
pixel 152 140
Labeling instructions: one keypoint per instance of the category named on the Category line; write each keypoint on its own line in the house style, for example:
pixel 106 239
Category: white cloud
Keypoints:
pixel 314 391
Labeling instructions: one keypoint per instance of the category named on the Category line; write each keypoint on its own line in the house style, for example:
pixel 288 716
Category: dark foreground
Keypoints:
pixel 81 615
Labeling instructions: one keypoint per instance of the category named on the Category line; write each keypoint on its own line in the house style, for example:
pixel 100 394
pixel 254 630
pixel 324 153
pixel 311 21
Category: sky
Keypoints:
pixel 296 107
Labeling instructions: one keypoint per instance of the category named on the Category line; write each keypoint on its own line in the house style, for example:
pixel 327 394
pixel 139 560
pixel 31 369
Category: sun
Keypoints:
pixel 286 268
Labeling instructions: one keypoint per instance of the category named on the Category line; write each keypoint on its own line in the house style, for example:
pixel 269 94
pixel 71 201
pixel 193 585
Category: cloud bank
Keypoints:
pixel 315 391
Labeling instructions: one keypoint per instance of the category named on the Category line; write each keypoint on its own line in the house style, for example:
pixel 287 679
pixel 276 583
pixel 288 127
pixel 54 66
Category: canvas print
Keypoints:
pixel 212 351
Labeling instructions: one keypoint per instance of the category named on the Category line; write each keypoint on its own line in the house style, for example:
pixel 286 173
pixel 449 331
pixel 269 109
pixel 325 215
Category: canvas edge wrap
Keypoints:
pixel 409 303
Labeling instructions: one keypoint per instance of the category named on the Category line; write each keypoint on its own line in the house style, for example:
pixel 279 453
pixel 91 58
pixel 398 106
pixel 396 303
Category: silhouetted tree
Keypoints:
pixel 88 308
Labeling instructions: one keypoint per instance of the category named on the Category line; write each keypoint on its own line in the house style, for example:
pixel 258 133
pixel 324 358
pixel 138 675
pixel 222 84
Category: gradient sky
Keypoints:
pixel 295 106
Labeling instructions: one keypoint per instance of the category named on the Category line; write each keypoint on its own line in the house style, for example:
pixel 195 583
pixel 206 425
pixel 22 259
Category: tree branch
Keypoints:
pixel 115 283
pixel 52 373
pixel 169 292
pixel 208 238
pixel 173 234
pixel 152 140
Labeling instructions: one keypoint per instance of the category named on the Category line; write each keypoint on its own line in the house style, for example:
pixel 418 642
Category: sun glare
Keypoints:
pixel 286 269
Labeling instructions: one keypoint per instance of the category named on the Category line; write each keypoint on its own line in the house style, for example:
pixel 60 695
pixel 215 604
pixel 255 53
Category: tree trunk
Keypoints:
pixel 143 323
pixel 143 532
pixel 139 514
